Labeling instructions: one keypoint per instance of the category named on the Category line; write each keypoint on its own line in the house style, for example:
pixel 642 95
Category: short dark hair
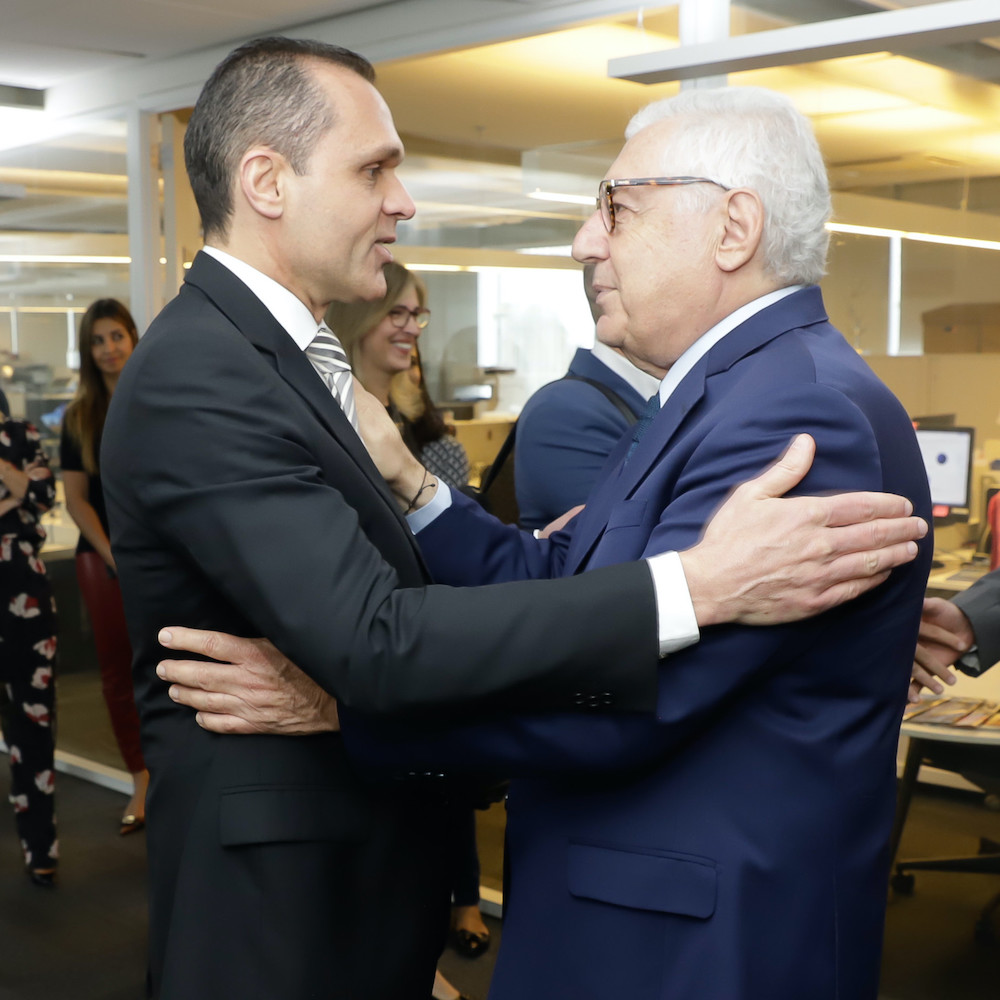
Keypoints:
pixel 260 93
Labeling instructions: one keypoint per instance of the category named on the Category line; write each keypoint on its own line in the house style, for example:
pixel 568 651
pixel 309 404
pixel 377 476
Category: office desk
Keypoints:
pixel 987 861
pixel 956 573
pixel 919 736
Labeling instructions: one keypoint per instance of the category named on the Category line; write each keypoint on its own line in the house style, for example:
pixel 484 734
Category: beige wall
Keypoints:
pixel 967 385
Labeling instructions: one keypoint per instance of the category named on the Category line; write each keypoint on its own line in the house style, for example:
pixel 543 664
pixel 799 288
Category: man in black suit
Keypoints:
pixel 241 499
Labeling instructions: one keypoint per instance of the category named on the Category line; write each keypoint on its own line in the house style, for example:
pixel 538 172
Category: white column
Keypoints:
pixel 895 304
pixel 169 131
pixel 72 354
pixel 144 237
pixel 702 22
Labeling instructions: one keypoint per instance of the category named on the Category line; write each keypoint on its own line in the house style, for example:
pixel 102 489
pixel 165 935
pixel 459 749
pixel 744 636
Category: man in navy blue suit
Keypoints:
pixel 734 844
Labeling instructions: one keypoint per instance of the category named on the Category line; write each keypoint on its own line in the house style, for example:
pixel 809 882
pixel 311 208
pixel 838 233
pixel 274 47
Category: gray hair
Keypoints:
pixel 755 138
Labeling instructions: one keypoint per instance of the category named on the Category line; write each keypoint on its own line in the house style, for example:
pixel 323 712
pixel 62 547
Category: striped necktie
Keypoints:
pixel 648 415
pixel 330 360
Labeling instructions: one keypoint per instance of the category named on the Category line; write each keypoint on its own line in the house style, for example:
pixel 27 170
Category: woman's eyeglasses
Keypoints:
pixel 399 316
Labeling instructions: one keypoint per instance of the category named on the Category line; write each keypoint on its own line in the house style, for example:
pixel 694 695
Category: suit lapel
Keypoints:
pixel 249 315
pixel 802 308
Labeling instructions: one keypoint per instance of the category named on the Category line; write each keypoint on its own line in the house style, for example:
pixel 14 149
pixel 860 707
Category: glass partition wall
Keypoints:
pixel 63 243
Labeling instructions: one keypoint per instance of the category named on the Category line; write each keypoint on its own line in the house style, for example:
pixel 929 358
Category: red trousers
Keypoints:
pixel 103 598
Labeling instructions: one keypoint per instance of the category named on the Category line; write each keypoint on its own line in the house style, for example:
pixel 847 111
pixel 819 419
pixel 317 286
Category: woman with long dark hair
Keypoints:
pixel 107 337
pixel 27 645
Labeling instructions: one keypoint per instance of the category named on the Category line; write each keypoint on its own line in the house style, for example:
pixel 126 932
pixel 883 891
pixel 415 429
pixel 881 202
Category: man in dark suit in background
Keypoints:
pixel 242 499
pixel 567 428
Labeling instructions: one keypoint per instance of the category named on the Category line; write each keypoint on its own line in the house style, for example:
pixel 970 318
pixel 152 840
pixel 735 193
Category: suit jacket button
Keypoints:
pixel 607 698
pixel 579 698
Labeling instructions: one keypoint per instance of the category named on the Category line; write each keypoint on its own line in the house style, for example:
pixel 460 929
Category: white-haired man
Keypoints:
pixel 734 844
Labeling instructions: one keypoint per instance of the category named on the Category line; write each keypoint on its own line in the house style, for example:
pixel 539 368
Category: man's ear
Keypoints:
pixel 744 226
pixel 260 177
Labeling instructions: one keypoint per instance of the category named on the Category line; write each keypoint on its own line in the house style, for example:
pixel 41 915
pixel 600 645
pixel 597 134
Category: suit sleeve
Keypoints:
pixel 215 456
pixel 697 684
pixel 564 438
pixel 466 547
pixel 981 605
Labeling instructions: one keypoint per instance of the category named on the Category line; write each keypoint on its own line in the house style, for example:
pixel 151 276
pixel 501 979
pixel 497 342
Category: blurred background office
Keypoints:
pixel 511 113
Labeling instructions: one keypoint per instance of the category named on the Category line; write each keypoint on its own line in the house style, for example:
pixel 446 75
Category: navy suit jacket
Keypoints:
pixel 734 845
pixel 564 435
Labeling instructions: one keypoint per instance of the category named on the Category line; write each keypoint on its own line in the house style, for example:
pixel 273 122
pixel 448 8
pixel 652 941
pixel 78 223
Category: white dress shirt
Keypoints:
pixel 291 313
pixel 643 384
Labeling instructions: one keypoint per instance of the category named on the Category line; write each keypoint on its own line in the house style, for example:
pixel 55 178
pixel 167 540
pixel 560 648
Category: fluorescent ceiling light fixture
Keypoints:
pixel 57 310
pixel 438 267
pixel 25 126
pixel 563 251
pixel 58 258
pixel 569 199
pixel 843 227
pixel 954 241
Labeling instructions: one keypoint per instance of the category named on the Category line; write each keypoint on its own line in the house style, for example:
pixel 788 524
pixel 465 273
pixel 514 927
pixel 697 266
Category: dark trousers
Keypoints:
pixel 27 697
pixel 464 856
pixel 103 597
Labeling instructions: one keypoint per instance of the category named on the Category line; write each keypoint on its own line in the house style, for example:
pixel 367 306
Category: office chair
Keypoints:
pixel 967 761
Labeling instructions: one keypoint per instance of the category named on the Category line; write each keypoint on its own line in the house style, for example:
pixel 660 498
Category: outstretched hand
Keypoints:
pixel 251 688
pixel 765 558
pixel 945 634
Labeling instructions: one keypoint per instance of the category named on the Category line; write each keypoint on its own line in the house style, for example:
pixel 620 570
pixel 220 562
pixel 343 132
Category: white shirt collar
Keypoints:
pixel 708 340
pixel 643 384
pixel 289 310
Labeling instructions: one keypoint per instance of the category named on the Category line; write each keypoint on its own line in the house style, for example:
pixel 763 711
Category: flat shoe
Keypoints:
pixel 131 824
pixel 469 943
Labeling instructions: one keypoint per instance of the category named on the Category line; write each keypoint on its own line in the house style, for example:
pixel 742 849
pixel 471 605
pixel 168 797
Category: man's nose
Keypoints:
pixel 398 201
pixel 591 242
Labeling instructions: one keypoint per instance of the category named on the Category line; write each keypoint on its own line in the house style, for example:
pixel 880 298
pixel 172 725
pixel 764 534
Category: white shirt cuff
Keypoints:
pixel 678 626
pixel 434 507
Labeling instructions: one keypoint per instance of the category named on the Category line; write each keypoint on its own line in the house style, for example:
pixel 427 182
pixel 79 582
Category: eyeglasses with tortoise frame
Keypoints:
pixel 606 205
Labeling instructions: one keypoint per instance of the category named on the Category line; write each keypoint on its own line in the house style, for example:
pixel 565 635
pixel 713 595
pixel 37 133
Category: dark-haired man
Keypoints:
pixel 242 499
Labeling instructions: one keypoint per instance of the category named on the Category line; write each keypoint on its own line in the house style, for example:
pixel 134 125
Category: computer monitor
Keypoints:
pixel 936 421
pixel 947 455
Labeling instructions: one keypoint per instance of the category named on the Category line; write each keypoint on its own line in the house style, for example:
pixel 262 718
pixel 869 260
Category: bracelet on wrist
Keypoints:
pixel 424 485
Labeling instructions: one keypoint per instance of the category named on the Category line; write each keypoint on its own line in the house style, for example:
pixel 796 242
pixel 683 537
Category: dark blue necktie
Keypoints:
pixel 648 414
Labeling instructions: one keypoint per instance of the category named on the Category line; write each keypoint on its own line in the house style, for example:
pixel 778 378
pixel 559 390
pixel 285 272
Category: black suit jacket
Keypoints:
pixel 241 499
pixel 981 605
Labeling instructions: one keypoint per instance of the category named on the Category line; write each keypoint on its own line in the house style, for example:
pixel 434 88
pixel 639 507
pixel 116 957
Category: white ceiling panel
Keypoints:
pixel 45 42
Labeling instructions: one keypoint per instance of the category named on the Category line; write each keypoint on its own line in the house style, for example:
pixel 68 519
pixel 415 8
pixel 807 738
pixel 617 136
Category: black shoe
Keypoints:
pixel 44 880
pixel 469 943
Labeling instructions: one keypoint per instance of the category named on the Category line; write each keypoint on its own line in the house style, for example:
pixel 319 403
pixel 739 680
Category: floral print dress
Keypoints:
pixel 28 647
